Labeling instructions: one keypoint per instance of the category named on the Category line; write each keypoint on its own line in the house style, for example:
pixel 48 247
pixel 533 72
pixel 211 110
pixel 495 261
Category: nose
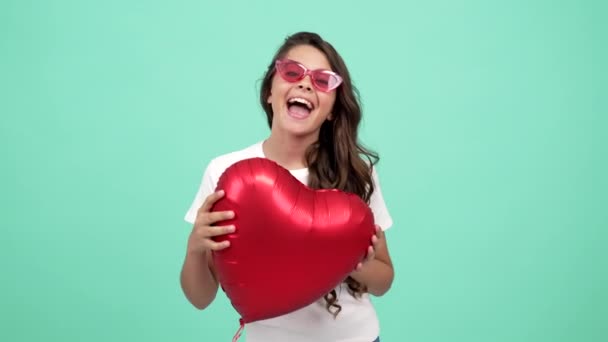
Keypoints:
pixel 305 84
pixel 305 87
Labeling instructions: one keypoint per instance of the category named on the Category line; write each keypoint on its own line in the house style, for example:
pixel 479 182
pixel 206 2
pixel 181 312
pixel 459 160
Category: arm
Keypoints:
pixel 377 273
pixel 198 279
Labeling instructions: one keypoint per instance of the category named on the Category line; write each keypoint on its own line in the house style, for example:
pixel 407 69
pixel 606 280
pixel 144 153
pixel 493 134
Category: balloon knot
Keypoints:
pixel 238 333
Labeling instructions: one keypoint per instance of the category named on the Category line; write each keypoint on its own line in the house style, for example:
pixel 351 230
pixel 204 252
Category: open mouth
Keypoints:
pixel 299 108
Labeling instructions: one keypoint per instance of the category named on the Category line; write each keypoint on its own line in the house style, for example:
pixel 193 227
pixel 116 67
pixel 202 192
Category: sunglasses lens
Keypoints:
pixel 292 72
pixel 326 81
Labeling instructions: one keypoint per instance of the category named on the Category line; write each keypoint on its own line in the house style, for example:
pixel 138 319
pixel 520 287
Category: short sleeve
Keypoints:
pixel 378 206
pixel 205 189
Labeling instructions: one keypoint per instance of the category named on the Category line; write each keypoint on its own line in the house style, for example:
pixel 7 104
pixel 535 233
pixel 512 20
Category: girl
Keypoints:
pixel 313 116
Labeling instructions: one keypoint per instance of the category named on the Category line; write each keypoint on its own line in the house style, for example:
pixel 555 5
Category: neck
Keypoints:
pixel 287 151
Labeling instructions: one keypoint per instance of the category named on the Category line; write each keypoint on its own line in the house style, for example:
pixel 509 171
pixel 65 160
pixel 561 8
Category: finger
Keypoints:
pixel 220 230
pixel 379 233
pixel 213 217
pixel 371 254
pixel 217 246
pixel 375 240
pixel 210 200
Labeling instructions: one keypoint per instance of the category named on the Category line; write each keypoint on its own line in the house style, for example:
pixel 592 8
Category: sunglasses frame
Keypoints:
pixel 309 72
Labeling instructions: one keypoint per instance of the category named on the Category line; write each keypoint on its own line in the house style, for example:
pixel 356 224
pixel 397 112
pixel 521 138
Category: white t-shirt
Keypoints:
pixel 356 322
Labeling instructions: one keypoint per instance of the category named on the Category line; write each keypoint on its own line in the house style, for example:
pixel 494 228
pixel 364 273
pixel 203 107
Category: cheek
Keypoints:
pixel 327 102
pixel 278 85
pixel 276 99
pixel 272 90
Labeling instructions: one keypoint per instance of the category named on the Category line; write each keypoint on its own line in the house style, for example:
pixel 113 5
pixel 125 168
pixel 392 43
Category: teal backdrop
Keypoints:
pixel 489 117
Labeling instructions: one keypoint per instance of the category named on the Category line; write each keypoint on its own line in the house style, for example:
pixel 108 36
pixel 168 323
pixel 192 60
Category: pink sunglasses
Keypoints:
pixel 292 71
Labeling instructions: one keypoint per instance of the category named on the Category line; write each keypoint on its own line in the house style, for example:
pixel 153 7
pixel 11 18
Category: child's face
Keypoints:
pixel 299 109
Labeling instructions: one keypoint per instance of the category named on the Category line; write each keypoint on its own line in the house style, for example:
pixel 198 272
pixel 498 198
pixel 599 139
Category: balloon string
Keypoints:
pixel 238 333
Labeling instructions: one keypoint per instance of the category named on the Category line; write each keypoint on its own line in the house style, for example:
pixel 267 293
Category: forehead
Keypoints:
pixel 309 56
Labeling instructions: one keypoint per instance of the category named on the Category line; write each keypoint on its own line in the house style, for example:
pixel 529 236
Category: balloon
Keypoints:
pixel 292 244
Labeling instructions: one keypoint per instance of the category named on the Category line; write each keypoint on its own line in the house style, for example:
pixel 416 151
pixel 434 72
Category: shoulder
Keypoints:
pixel 214 169
pixel 219 164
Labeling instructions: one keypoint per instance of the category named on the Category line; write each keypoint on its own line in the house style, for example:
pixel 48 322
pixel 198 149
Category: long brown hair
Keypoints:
pixel 337 160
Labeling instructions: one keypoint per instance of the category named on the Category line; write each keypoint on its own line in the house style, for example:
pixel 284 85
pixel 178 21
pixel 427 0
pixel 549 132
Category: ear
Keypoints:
pixel 269 99
pixel 330 117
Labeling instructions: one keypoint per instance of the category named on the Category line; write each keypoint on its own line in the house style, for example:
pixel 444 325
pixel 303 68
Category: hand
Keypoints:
pixel 204 229
pixel 371 250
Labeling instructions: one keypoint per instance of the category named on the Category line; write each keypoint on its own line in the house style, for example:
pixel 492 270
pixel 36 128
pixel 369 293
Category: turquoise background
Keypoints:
pixel 489 116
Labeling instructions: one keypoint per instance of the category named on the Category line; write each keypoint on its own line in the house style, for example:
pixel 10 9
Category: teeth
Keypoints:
pixel 300 100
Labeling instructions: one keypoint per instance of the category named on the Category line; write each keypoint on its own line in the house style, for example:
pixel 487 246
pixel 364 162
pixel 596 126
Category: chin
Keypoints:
pixel 297 132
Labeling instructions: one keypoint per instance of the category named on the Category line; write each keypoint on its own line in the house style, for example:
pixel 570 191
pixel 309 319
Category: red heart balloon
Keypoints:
pixel 292 244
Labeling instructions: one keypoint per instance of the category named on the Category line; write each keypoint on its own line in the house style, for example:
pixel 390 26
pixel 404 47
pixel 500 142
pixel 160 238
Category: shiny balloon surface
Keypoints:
pixel 292 244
